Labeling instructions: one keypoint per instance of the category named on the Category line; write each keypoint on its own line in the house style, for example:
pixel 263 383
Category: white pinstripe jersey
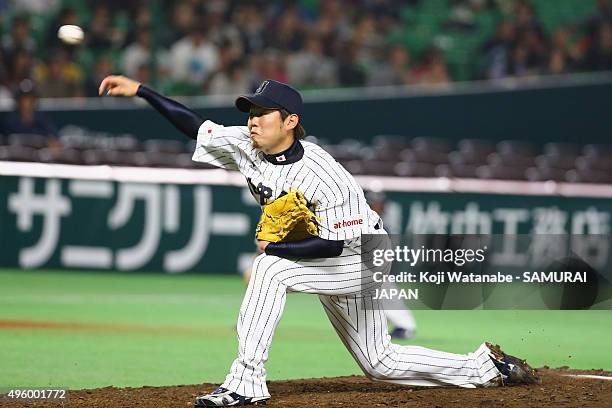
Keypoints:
pixel 332 193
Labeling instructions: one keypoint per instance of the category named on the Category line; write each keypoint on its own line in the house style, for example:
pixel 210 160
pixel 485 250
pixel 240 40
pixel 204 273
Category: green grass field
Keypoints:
pixel 88 330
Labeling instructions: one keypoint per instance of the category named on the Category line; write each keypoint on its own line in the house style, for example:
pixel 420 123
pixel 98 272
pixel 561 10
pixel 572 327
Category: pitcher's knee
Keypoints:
pixel 377 370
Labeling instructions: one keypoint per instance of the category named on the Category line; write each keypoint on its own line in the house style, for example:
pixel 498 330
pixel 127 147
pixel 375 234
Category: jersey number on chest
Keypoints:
pixel 262 192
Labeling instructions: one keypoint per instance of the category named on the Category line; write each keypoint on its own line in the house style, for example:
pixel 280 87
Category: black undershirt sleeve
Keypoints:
pixel 308 248
pixel 183 118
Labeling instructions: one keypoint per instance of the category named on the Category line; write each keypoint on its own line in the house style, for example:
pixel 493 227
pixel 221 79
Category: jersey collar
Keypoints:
pixel 293 154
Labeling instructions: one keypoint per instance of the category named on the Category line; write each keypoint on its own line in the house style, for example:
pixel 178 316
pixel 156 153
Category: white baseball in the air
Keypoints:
pixel 71 34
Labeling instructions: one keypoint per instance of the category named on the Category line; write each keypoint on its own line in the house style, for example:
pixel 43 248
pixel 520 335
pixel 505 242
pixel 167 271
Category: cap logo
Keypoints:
pixel 262 87
pixel 281 158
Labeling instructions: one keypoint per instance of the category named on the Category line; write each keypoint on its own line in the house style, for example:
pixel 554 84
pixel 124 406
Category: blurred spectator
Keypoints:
pixel 20 67
pixel 497 51
pixel 182 20
pixel 6 98
pixel 232 81
pixel 142 16
pixel 526 20
pixel 60 77
pixel 561 42
pixel 336 16
pixel 603 14
pixel 25 118
pixel 193 58
pixel 231 73
pixel 395 70
pixel 368 41
pixel 137 53
pixel 20 38
pixel 221 32
pixel 389 19
pixel 349 72
pixel 330 26
pixel 522 62
pixel 100 34
pixel 228 54
pixel 103 67
pixel 251 23
pixel 310 67
pixel 599 56
pixel 529 55
pixel 269 65
pixel 557 63
pixel 289 32
pixel 432 70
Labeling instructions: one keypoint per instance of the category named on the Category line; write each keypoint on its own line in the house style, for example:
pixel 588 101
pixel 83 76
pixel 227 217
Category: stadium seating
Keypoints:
pixel 458 28
pixel 386 155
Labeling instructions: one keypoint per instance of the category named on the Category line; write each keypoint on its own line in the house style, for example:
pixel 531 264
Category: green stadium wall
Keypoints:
pixel 578 114
pixel 107 225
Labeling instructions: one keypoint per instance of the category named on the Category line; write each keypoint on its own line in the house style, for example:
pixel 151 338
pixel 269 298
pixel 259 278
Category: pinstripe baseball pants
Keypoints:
pixel 358 319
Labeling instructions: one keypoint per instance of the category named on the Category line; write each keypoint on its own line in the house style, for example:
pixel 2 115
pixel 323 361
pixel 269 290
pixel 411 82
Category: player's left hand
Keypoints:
pixel 261 246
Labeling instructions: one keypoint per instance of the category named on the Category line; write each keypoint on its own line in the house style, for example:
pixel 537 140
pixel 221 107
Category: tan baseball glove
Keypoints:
pixel 286 219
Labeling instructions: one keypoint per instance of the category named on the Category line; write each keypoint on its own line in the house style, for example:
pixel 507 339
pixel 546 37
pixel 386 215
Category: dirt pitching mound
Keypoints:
pixel 557 390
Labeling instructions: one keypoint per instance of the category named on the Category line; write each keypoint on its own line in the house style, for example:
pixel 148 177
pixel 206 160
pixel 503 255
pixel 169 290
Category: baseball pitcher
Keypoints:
pixel 313 219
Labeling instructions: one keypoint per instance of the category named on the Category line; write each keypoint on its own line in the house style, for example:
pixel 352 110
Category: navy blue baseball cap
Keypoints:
pixel 273 94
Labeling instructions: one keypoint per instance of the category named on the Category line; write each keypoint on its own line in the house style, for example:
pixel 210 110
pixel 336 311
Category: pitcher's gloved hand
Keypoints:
pixel 286 219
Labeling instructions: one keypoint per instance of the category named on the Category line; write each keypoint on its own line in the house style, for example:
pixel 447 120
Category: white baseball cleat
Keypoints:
pixel 222 397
